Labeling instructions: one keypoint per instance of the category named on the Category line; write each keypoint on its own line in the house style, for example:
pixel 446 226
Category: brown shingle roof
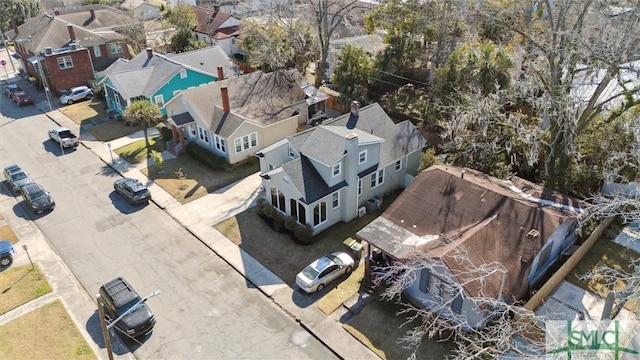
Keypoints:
pixel 209 20
pixel 489 218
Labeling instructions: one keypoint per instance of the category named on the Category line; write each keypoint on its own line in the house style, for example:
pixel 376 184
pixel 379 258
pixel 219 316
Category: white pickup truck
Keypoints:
pixel 64 136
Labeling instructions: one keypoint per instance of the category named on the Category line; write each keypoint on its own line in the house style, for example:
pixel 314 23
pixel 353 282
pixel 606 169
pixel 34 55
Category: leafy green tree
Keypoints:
pixel 474 65
pixel 418 33
pixel 145 113
pixel 184 18
pixel 352 73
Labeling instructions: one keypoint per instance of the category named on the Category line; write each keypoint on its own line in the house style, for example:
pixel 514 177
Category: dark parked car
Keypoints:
pixel 10 89
pixel 7 253
pixel 37 197
pixel 133 190
pixel 22 98
pixel 15 177
pixel 118 298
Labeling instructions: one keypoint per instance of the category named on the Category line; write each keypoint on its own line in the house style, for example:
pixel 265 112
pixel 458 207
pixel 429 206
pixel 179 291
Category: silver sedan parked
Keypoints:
pixel 324 270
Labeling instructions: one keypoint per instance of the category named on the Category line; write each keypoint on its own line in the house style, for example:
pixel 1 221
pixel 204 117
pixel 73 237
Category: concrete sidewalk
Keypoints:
pixel 198 217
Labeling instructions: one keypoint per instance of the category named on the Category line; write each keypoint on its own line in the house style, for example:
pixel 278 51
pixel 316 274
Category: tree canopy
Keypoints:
pixel 144 113
pixel 352 73
pixel 20 10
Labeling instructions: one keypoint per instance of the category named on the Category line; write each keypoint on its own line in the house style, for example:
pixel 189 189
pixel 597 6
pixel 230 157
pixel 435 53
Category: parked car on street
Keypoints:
pixel 9 89
pixel 21 98
pixel 15 177
pixel 133 190
pixel 38 199
pixel 76 94
pixel 64 137
pixel 324 270
pixel 7 253
pixel 119 298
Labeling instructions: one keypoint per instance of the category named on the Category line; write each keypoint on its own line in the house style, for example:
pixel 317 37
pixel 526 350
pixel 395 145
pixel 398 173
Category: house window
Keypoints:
pixel 336 170
pixel 544 256
pixel 298 211
pixel 277 199
pixel 159 100
pixel 115 48
pixel 398 165
pixel 183 74
pixel 377 178
pixel 292 155
pixel 96 51
pixel 335 201
pixel 359 186
pixel 220 143
pixel 362 157
pixel 320 213
pixel 65 62
pixel 204 134
pixel 246 142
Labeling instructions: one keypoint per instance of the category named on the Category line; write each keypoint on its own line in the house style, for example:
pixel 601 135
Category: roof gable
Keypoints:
pixel 209 20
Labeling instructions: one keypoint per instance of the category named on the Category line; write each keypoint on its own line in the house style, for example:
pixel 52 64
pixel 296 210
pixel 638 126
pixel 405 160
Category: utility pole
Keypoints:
pixel 103 325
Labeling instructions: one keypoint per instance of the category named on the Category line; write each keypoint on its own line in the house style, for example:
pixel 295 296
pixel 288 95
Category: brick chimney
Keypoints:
pixel 14 24
pixel 149 53
pixel 225 99
pixel 220 73
pixel 56 12
pixel 93 14
pixel 216 9
pixel 72 34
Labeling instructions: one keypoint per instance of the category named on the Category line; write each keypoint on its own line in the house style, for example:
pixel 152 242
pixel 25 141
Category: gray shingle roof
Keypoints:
pixel 141 75
pixel 306 179
pixel 325 143
pixel 106 18
pixel 181 119
pixel 207 60
pixel 262 98
pixel 49 31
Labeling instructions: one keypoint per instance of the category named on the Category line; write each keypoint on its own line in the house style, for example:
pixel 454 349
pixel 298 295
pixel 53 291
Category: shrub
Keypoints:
pixel 207 158
pixel 157 158
pixel 303 234
pixel 164 131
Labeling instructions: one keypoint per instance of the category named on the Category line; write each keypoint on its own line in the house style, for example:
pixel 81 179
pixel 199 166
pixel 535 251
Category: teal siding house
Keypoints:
pixel 158 78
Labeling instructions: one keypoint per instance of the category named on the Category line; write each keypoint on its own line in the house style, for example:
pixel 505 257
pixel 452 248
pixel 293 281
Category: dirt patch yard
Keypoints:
pixel 186 179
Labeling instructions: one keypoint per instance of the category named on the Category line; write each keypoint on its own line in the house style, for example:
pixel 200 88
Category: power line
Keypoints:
pixel 402 77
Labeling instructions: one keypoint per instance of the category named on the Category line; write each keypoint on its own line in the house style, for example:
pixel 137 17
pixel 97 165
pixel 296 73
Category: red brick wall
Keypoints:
pixel 79 74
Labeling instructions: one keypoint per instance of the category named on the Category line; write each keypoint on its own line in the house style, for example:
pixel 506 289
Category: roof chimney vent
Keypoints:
pixel 225 99
pixel 93 14
pixel 72 34
pixel 149 53
pixel 220 73
pixel 56 12
pixel 355 108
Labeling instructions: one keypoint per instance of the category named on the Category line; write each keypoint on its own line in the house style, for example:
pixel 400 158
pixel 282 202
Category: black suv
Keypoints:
pixel 118 297
pixel 37 197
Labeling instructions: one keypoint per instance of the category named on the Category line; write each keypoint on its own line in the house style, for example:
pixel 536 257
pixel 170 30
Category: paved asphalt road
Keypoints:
pixel 206 309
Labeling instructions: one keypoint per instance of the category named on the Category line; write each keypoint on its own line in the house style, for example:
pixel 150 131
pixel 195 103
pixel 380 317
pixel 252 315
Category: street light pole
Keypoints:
pixel 41 72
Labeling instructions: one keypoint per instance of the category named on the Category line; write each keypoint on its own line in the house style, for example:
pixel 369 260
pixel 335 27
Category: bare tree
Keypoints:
pixel 503 320
pixel 327 16
pixel 565 43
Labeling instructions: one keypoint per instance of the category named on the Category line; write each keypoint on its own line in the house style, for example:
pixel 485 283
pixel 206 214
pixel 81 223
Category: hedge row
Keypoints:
pixel 207 158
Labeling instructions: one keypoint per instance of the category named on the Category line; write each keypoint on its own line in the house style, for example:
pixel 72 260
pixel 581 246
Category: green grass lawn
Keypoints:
pixel 137 151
